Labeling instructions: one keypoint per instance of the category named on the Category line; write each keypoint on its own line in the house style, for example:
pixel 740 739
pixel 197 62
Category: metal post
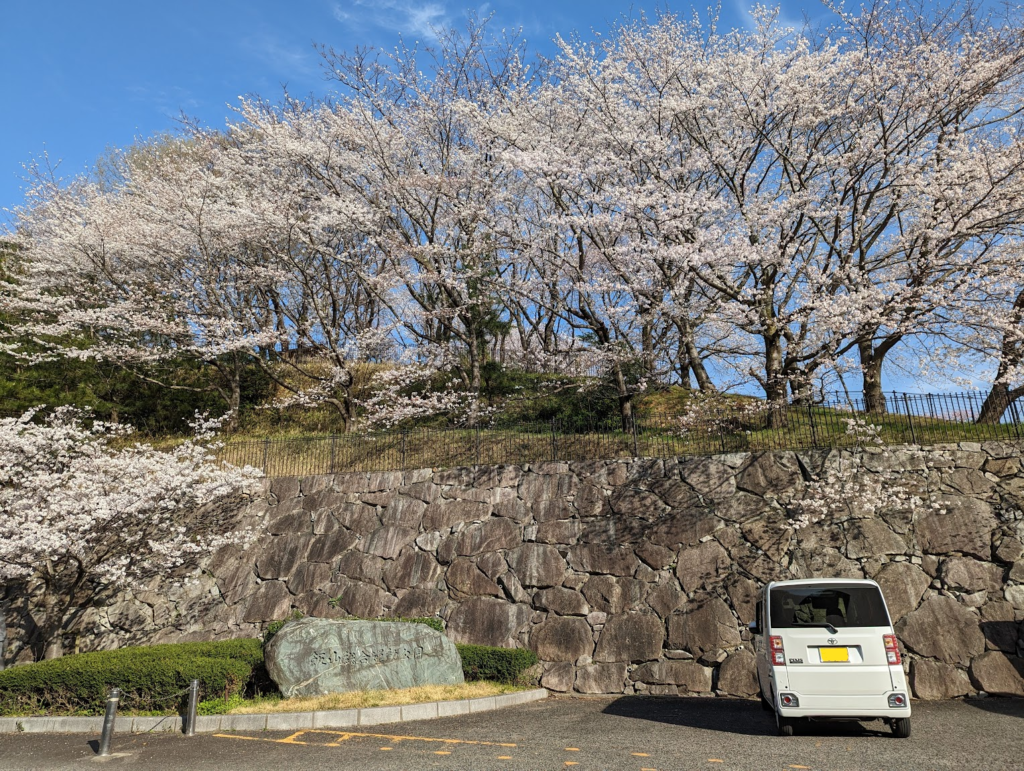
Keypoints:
pixel 334 443
pixel 554 442
pixel 636 444
pixel 404 466
pixel 266 449
pixel 810 417
pixel 108 721
pixel 1016 431
pixel 910 420
pixel 193 705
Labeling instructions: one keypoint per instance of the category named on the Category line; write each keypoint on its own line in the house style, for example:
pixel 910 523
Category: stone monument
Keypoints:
pixel 316 656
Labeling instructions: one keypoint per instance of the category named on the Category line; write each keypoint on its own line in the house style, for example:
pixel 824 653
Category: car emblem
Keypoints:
pixel 832 640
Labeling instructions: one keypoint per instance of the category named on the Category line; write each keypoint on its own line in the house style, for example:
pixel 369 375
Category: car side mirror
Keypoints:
pixel 754 628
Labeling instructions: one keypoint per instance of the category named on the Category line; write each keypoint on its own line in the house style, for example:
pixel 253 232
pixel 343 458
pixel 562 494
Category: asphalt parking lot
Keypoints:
pixel 636 734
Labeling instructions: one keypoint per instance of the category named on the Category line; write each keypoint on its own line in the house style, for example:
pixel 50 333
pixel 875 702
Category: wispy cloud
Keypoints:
pixel 408 17
pixel 288 61
pixel 170 102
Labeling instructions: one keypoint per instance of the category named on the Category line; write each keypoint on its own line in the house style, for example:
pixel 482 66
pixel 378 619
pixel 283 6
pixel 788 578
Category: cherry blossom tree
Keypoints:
pixel 81 518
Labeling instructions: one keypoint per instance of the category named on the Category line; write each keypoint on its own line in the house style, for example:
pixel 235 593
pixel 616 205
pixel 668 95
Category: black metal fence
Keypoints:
pixel 718 426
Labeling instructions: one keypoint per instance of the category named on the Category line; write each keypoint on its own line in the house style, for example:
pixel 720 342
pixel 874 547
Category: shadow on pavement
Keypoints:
pixel 735 716
pixel 1008 706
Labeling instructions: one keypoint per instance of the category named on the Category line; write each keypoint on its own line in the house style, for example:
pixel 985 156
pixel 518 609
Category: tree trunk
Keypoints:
pixel 871 372
pixel 774 381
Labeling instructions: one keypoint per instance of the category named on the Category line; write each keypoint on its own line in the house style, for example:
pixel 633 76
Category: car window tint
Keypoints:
pixel 795 606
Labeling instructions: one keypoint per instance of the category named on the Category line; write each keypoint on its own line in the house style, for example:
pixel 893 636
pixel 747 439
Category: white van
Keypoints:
pixel 825 650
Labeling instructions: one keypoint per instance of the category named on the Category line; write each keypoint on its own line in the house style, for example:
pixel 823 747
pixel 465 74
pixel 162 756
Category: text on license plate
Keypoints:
pixel 834 654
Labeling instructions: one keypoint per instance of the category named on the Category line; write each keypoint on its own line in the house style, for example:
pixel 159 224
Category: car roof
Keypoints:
pixel 813 581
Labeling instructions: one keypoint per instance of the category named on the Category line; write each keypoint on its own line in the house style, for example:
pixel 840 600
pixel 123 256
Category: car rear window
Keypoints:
pixel 794 606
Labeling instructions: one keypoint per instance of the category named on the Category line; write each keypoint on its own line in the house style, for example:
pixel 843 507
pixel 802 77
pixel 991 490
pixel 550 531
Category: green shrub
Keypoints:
pixel 150 677
pixel 220 706
pixel 503 665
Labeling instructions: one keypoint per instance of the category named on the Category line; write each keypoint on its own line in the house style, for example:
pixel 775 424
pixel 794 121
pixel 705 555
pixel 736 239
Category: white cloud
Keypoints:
pixel 408 17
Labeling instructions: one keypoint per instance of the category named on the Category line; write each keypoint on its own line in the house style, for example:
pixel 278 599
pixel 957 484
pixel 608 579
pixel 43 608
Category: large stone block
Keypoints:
pixel 775 473
pixel 495 534
pixel 444 514
pixel 998 673
pixel 712 479
pixel 270 602
pixel 737 675
pixel 613 595
pixel 683 527
pixel 564 602
pixel 687 675
pixel 465 579
pixel 558 676
pixel 540 487
pixel 701 565
pixel 281 555
pixel 329 546
pixel 871 538
pixel 419 603
pixel 603 558
pixel 631 637
pixel 933 680
pixel 564 532
pixel 601 678
pixel 360 567
pixel 970 575
pixel 315 656
pixel 961 525
pixel 666 599
pixel 709 626
pixel 743 594
pixel 903 585
pixel 942 629
pixel 562 639
pixel 406 511
pixel 413 568
pixel 389 540
pixel 536 564
pixel 359 599
pixel 486 621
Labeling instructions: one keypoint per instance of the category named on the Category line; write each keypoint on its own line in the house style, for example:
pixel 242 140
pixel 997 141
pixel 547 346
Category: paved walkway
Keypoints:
pixel 626 733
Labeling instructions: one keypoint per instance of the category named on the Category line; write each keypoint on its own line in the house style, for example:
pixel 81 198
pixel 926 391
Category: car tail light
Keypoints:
pixel 789 700
pixel 778 653
pixel 892 649
pixel 898 700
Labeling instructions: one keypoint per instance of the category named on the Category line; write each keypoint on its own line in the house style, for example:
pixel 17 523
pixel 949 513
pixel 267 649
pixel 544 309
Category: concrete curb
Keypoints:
pixel 281 721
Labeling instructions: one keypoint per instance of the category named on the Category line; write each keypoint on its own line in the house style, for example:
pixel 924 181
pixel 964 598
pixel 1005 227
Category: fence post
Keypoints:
pixel 404 464
pixel 1016 417
pixel 193 707
pixel 476 438
pixel 334 442
pixel 266 449
pixel 910 420
pixel 554 441
pixel 810 417
pixel 636 447
pixel 108 721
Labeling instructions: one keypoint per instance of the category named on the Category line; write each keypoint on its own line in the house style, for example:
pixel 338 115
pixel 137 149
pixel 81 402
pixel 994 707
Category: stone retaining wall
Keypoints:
pixel 631 576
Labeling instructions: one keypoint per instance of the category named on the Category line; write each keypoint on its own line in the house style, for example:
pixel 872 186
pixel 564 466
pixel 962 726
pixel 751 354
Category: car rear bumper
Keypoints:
pixel 849 707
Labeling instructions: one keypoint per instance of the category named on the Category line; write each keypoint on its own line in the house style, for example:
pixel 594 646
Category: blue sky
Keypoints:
pixel 80 77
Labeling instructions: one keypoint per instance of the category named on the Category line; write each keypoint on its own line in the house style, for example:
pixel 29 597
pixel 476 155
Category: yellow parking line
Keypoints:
pixel 346 735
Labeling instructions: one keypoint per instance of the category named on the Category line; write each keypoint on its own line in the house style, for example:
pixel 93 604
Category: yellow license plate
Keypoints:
pixel 834 654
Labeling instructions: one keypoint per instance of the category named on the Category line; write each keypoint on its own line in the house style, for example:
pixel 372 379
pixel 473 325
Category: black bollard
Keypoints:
pixel 108 721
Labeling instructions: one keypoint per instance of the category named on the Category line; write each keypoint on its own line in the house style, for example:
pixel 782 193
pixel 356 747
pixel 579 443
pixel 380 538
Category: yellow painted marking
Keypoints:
pixel 801 767
pixel 572 749
pixel 346 735
pixel 442 752
pixel 639 754
pixel 571 763
pixel 648 769
pixel 504 757
pixel 386 749
pixel 715 760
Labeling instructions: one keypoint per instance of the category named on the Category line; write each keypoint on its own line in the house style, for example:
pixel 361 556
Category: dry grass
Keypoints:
pixel 362 699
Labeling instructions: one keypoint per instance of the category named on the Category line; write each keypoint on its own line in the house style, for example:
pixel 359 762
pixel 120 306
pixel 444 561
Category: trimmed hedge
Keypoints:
pixel 151 678
pixel 503 665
